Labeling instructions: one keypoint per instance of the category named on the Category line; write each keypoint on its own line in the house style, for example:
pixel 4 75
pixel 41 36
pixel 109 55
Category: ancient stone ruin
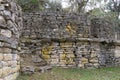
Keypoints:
pixel 69 40
pixel 34 42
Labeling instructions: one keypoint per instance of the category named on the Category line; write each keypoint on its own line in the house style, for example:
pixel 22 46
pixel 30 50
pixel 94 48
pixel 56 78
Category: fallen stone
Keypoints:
pixel 45 68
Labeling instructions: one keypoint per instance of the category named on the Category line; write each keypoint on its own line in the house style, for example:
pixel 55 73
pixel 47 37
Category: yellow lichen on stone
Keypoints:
pixel 62 56
pixel 70 29
pixel 69 61
pixel 46 52
pixel 46 56
pixel 93 55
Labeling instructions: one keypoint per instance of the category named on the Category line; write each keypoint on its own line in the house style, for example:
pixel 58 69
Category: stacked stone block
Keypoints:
pixel 55 25
pixel 117 55
pixel 70 39
pixel 10 29
pixel 70 54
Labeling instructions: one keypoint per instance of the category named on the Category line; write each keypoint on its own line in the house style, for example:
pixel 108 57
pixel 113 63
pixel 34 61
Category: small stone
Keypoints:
pixel 94 60
pixel 36 59
pixel 45 68
pixel 89 66
pixel 28 70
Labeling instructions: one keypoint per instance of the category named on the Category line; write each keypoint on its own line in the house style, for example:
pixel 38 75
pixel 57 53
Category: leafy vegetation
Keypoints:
pixel 75 74
pixel 38 5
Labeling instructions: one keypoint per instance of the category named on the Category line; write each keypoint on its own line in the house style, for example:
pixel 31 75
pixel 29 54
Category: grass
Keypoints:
pixel 111 73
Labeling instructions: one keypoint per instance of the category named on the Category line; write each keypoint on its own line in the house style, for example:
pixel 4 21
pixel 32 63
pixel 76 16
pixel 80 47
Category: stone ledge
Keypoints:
pixel 99 40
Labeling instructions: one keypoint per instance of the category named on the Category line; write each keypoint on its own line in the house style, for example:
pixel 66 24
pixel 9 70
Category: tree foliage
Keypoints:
pixel 55 5
pixel 114 6
pixel 32 5
pixel 77 5
pixel 39 5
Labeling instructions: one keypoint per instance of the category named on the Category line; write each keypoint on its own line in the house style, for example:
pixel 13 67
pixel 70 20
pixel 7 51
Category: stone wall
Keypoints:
pixel 70 54
pixel 65 25
pixel 10 29
pixel 69 40
pixel 53 38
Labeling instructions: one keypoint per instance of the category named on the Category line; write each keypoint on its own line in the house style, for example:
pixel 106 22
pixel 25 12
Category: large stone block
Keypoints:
pixel 15 57
pixel 1 72
pixel 12 63
pixel 80 65
pixel 71 55
pixel 6 33
pixel 16 69
pixel 62 56
pixel 54 56
pixel 94 60
pixel 1 56
pixel 5 50
pixel 84 60
pixel 6 71
pixel 93 54
pixel 54 61
pixel 117 52
pixel 1 64
pixel 7 57
pixel 4 64
pixel 46 56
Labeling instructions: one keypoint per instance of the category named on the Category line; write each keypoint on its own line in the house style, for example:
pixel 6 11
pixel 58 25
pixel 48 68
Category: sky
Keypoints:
pixel 89 7
pixel 65 3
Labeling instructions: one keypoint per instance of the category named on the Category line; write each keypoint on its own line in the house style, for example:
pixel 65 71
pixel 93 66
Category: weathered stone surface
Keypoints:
pixel 12 63
pixel 6 33
pixel 45 68
pixel 1 56
pixel 67 40
pixel 10 29
pixel 2 21
pixel 5 50
pixel 6 71
pixel 7 57
pixel 117 51
pixel 28 70
pixel 12 76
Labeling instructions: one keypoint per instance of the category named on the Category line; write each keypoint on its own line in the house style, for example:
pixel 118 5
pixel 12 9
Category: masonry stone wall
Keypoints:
pixel 10 29
pixel 55 39
pixel 68 40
